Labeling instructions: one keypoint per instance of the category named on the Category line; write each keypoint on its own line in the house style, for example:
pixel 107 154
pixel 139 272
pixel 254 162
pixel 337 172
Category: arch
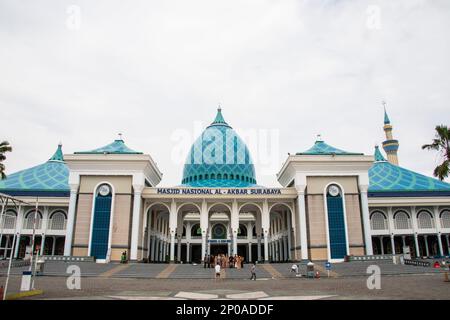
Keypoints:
pixel 9 219
pixel 102 217
pixel 186 204
pixel 158 203
pixel 425 220
pixel 402 220
pixel 284 204
pixel 218 204
pixel 378 221
pixel 58 220
pixel 225 176
pixel 336 222
pixel 242 231
pixel 195 229
pixel 28 222
pixel 248 204
pixel 445 218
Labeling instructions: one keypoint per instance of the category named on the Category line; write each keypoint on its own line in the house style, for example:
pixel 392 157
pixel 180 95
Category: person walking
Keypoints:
pixel 205 261
pixel 253 271
pixel 217 271
pixel 208 261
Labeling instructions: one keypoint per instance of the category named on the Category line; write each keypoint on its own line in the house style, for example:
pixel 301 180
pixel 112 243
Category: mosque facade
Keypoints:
pixel 330 204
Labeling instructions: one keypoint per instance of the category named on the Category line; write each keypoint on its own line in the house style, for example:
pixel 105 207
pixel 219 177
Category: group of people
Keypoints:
pixel 224 261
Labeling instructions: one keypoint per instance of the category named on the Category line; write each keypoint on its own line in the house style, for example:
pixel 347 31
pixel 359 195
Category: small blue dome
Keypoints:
pixel 219 158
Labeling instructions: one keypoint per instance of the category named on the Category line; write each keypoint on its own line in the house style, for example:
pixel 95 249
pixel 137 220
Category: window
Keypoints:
pixel 401 220
pixel 378 221
pixel 58 221
pixel 445 219
pixel 425 220
pixel 9 220
pixel 29 220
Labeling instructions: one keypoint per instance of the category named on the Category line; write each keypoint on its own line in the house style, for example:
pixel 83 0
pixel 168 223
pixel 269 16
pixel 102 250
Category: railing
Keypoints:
pixel 69 258
pixel 417 263
pixel 370 258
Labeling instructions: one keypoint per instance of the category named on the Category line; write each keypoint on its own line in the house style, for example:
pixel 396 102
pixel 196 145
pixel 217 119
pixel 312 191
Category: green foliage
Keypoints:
pixel 441 143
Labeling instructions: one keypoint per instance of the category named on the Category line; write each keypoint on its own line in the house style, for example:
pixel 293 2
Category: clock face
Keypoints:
pixel 104 190
pixel 333 191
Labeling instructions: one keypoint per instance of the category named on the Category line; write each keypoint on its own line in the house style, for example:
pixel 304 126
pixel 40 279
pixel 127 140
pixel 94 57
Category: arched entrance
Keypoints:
pixel 281 233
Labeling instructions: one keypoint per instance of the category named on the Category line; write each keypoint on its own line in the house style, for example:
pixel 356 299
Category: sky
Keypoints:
pixel 80 72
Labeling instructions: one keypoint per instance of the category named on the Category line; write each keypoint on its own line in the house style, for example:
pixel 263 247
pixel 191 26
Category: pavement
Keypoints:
pixel 138 281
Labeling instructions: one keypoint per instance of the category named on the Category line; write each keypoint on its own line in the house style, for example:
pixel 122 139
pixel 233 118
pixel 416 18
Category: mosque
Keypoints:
pixel 331 204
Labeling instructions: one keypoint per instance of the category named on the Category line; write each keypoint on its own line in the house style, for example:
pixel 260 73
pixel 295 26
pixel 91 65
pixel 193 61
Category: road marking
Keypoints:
pixel 248 295
pixel 167 271
pixel 115 270
pixel 273 272
pixel 195 295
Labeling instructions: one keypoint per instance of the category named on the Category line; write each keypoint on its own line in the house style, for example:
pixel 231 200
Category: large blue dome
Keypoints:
pixel 219 158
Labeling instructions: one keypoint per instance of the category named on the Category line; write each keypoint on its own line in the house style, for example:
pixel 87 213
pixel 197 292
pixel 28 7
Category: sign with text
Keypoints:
pixel 216 191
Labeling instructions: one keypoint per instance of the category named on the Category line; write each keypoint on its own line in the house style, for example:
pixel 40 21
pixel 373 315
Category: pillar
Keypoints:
pixel 53 245
pixel 234 224
pixel 153 248
pixel 448 244
pixel 179 249
pixel 427 251
pixel 366 220
pixel 172 246
pixel 266 246
pixel 41 252
pixel 289 243
pixel 204 227
pixel 302 222
pixel 382 245
pixel 249 252
pixel 392 244
pixel 441 249
pixel 135 220
pixel 16 249
pixel 258 247
pixel 416 244
pixel 188 258
pixel 71 219
pixel 285 247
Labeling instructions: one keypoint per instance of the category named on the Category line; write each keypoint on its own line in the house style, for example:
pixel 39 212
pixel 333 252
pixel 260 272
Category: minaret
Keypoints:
pixel 390 145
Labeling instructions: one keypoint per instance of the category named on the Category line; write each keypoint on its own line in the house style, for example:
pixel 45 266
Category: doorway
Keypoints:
pixel 217 249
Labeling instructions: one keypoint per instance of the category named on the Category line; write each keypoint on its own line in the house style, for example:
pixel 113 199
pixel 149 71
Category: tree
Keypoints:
pixel 4 147
pixel 441 143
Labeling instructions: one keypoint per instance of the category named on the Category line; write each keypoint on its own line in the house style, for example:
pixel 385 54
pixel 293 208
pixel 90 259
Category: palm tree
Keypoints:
pixel 4 147
pixel 441 143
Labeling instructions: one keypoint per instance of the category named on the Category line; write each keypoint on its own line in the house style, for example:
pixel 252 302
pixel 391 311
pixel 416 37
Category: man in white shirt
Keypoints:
pixel 217 267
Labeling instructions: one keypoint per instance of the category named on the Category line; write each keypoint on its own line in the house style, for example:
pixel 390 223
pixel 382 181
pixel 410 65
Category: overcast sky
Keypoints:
pixel 284 71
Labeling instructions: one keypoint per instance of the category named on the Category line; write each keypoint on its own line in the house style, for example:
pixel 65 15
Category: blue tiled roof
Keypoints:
pixel 219 158
pixel 49 177
pixel 116 147
pixel 321 148
pixel 388 178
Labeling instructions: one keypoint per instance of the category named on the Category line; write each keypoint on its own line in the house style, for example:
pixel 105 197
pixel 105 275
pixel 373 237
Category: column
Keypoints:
pixel 172 246
pixel 416 244
pixel 16 249
pixel 392 244
pixel 266 246
pixel 53 245
pixel 382 245
pixel 366 220
pixel 285 246
pixel 71 219
pixel 234 224
pixel 153 248
pixel 438 227
pixel 204 227
pixel 249 252
pixel 448 244
pixel 136 220
pixel 173 224
pixel 289 233
pixel 258 247
pixel 302 222
pixel 41 252
pixel 179 249
pixel 415 229
pixel 427 251
pixel 188 258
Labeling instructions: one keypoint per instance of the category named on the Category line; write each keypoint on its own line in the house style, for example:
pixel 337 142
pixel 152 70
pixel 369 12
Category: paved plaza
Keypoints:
pixel 274 281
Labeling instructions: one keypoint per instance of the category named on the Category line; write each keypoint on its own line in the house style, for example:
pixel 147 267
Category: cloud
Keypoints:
pixel 147 70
